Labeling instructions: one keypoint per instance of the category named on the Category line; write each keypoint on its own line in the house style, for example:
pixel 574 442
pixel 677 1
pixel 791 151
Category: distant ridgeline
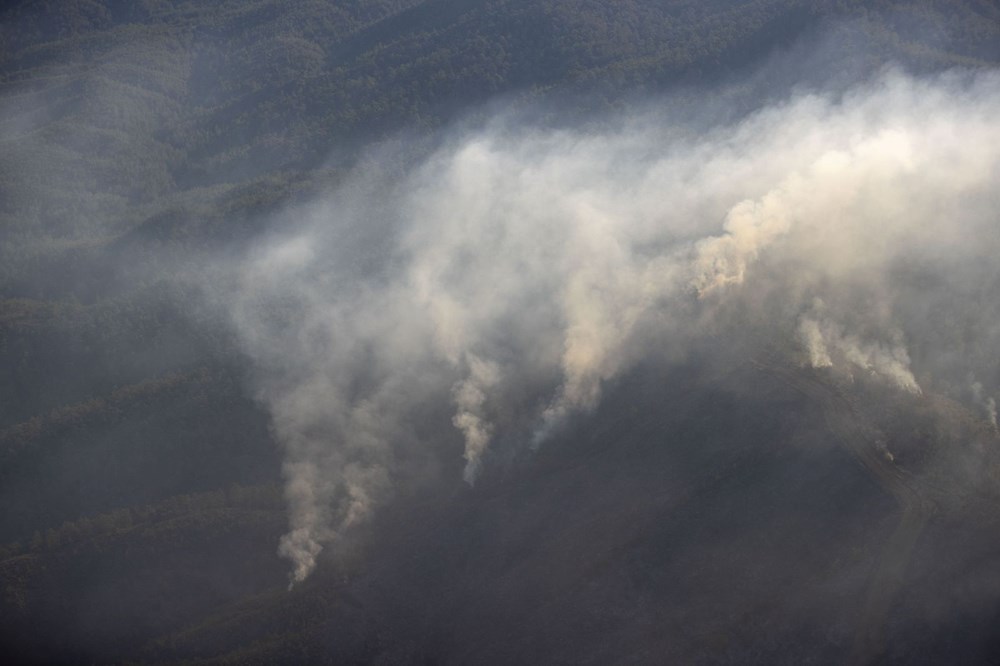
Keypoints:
pixel 168 116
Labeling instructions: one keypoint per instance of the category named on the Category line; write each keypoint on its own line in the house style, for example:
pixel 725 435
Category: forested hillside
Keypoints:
pixel 140 482
pixel 128 105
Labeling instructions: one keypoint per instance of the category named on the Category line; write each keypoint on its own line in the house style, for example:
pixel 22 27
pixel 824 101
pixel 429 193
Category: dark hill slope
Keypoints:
pixel 687 521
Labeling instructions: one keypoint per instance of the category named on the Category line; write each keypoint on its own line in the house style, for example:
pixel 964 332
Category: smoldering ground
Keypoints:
pixel 515 271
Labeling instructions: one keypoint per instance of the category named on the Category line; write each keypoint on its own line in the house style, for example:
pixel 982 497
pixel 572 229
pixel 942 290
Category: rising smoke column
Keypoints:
pixel 517 270
pixel 987 403
pixel 470 398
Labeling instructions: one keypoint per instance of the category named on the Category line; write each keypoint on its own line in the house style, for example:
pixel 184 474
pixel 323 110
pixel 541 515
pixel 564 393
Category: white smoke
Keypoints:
pixel 986 402
pixel 890 361
pixel 812 338
pixel 517 271
pixel 470 399
pixel 750 227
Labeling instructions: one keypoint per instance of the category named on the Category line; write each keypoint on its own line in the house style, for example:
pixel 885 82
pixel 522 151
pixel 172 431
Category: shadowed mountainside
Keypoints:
pixel 687 519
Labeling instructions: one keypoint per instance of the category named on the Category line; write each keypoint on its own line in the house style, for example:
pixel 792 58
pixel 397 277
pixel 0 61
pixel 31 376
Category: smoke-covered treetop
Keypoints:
pixel 517 271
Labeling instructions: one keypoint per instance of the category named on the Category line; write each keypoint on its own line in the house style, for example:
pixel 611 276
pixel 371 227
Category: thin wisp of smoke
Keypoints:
pixel 518 270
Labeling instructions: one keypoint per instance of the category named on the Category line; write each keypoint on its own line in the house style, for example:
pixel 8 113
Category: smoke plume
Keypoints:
pixel 516 270
pixel 987 403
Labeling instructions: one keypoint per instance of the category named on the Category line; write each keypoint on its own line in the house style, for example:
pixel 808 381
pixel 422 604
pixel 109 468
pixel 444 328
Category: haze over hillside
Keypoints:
pixel 500 332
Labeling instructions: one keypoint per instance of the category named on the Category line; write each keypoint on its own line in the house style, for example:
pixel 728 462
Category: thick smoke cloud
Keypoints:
pixel 516 270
